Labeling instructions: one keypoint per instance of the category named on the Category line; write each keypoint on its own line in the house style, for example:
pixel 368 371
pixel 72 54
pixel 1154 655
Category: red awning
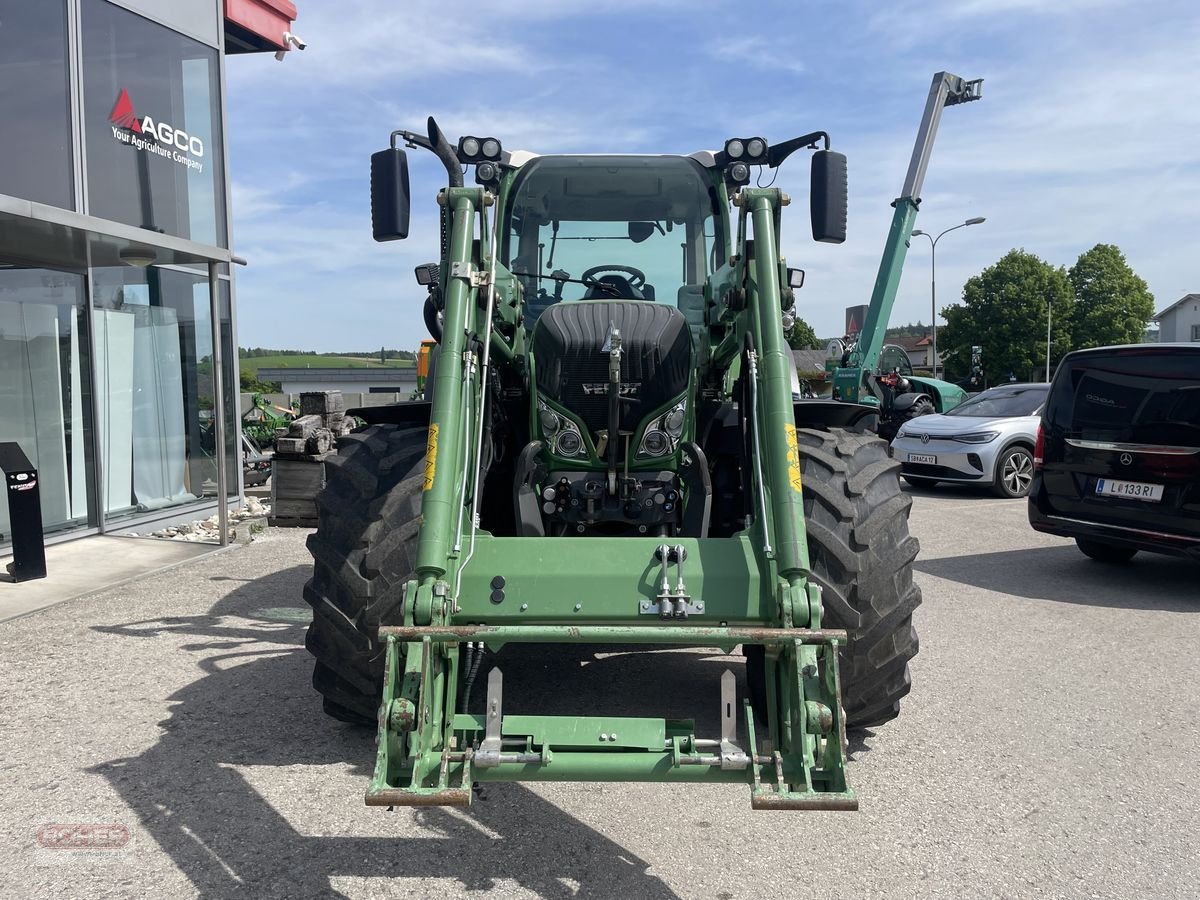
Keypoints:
pixel 255 26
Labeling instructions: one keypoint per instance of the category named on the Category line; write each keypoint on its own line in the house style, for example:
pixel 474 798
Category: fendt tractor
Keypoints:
pixel 608 454
pixel 866 371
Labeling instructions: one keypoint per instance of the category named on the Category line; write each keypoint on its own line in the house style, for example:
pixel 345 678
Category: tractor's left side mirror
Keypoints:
pixel 389 195
pixel 795 278
pixel 828 197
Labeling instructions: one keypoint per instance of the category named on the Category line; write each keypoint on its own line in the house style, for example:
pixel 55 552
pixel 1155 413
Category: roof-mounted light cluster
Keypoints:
pixel 474 150
pixel 484 154
pixel 741 154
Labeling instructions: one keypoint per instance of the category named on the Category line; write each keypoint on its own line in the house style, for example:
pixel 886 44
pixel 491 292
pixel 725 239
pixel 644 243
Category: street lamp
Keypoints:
pixel 1049 306
pixel 977 220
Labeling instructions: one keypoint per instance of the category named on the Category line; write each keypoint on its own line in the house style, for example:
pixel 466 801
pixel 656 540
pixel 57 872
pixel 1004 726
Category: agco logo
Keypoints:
pixel 144 133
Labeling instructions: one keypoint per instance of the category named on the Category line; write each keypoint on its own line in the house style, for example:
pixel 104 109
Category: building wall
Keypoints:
pixel 1181 324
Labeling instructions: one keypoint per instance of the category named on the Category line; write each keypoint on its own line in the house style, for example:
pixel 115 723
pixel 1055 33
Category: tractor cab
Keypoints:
pixel 645 228
pixel 609 250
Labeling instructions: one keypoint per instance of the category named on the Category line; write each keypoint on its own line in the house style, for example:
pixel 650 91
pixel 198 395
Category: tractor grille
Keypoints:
pixel 572 366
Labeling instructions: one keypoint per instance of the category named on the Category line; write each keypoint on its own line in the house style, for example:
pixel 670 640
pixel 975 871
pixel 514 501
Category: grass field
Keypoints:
pixel 313 361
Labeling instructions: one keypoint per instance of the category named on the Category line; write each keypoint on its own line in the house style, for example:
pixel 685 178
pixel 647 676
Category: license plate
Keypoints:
pixel 922 458
pixel 1132 490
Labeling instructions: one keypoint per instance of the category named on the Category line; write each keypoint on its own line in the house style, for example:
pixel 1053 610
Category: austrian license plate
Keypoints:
pixel 1132 490
pixel 922 458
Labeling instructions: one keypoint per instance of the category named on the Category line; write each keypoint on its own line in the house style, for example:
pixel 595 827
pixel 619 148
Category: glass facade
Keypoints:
pixel 107 377
pixel 35 107
pixel 45 389
pixel 150 326
pixel 151 118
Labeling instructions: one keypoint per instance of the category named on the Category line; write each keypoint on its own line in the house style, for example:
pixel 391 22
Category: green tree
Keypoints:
pixel 802 337
pixel 1004 311
pixel 1112 304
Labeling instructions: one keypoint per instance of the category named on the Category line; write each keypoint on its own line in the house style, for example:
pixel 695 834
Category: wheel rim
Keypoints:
pixel 1017 473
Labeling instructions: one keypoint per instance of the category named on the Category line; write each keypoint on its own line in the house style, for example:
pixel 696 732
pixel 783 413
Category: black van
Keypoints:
pixel 1117 464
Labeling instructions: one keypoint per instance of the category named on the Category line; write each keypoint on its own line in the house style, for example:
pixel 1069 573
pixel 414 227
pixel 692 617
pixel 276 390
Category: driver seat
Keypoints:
pixel 622 289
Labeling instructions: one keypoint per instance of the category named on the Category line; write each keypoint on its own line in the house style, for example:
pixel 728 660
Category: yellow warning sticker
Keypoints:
pixel 431 456
pixel 793 458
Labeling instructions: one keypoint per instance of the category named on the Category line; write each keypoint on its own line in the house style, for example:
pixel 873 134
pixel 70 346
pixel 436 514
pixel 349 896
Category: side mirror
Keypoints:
pixel 389 195
pixel 795 279
pixel 827 197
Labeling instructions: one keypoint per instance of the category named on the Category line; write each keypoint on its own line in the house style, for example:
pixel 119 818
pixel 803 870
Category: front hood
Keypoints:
pixel 946 425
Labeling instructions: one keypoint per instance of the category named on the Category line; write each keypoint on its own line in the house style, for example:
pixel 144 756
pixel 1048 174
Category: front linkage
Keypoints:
pixel 473 590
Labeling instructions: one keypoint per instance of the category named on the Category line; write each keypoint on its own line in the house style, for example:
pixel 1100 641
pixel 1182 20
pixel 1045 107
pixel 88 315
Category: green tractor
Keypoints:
pixel 608 454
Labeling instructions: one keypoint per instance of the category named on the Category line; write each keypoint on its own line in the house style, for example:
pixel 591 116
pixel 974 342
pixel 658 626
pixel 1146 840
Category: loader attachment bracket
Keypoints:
pixel 430 756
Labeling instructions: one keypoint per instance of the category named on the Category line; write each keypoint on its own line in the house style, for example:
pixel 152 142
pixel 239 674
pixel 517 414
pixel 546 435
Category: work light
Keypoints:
pixel 474 150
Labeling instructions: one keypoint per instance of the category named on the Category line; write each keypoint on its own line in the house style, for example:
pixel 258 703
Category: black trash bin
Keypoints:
pixel 24 513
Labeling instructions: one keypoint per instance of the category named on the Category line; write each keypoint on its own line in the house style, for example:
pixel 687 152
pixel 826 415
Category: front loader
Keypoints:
pixel 608 454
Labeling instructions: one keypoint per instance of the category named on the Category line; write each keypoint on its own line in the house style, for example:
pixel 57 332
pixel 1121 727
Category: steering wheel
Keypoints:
pixel 637 278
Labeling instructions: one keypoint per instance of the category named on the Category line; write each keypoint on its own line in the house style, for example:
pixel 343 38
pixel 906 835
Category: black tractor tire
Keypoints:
pixel 891 424
pixel 861 554
pixel 1105 553
pixel 364 550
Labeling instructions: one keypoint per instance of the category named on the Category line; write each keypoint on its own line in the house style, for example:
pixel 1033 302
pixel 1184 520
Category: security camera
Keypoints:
pixel 290 40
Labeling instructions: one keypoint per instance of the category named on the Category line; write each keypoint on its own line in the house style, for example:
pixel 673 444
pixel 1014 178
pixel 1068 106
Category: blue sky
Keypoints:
pixel 1088 131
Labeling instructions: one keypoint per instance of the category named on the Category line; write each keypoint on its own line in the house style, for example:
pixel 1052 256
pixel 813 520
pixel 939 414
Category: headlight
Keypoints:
pixel 976 437
pixel 569 443
pixel 561 434
pixel 664 432
pixel 673 422
pixel 655 443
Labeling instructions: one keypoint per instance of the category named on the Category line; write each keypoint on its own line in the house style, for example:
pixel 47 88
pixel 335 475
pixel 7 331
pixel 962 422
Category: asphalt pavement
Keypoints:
pixel 1050 748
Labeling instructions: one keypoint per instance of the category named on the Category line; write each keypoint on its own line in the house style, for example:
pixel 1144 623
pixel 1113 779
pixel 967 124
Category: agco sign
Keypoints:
pixel 159 138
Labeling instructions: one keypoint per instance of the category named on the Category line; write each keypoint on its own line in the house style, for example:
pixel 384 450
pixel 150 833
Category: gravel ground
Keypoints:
pixel 1049 748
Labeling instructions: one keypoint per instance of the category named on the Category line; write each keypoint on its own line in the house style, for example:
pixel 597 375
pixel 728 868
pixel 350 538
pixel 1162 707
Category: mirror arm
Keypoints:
pixel 779 152
pixel 436 144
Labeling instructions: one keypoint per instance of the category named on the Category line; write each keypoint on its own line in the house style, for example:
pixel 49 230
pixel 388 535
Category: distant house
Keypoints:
pixel 1180 321
pixel 919 349
pixel 809 360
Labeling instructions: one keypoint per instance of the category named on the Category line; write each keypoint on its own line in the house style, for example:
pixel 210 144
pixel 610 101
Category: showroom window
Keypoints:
pixel 35 109
pixel 152 126
pixel 45 389
pixel 155 388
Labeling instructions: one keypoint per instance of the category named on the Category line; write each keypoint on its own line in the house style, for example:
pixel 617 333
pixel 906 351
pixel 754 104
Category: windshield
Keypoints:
pixel 1001 402
pixel 616 227
pixel 1138 396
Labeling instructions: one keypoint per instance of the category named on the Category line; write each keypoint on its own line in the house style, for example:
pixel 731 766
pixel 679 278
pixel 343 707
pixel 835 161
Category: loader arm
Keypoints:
pixel 850 381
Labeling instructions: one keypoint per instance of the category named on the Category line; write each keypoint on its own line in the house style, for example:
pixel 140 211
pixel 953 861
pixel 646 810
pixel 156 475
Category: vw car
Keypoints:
pixel 987 440
pixel 1117 463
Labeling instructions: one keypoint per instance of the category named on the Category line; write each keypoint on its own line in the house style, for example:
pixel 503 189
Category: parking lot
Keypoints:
pixel 1049 748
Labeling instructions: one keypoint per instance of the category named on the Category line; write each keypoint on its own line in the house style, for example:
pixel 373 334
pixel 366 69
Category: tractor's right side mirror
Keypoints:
pixel 795 279
pixel 389 195
pixel 828 197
